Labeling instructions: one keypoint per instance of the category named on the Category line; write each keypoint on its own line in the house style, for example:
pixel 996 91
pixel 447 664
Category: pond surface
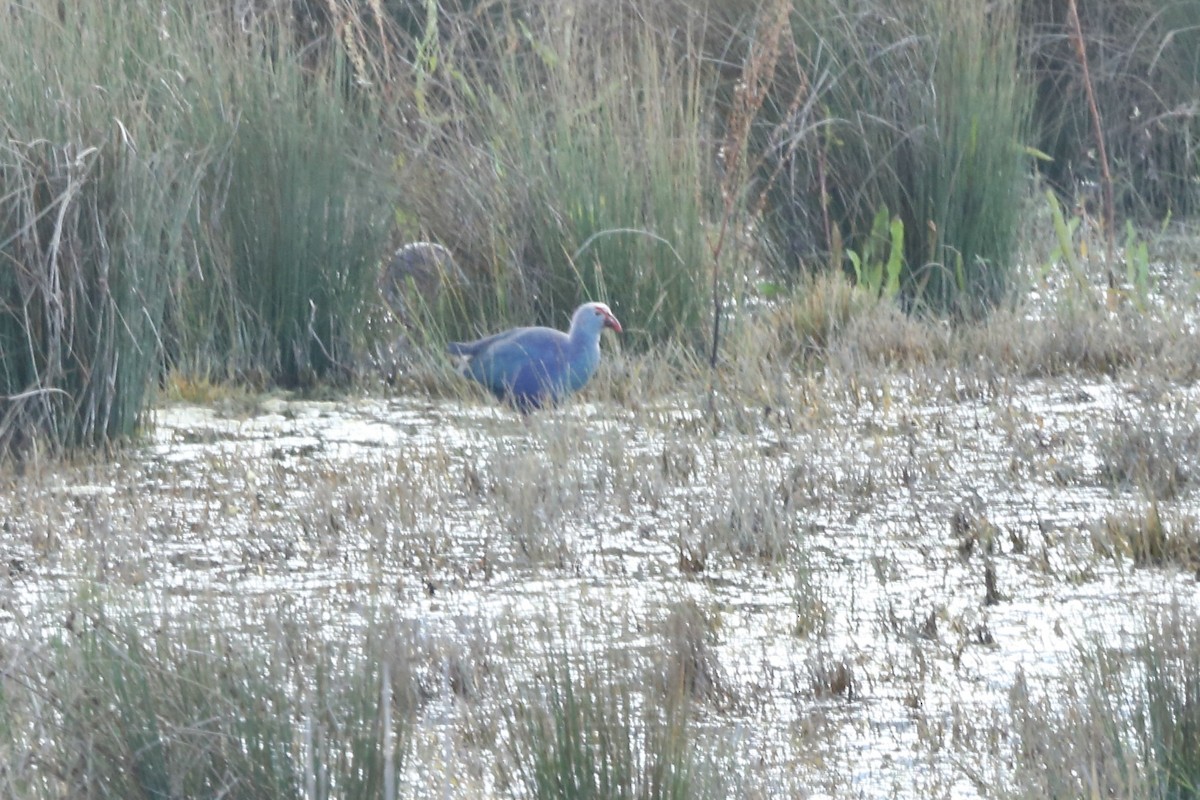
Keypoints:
pixel 876 572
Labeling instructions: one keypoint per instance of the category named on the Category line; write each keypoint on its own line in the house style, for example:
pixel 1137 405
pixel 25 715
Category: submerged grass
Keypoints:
pixel 1151 451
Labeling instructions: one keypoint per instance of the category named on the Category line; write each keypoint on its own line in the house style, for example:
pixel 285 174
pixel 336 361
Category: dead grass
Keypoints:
pixel 688 662
pixel 1151 450
pixel 1151 536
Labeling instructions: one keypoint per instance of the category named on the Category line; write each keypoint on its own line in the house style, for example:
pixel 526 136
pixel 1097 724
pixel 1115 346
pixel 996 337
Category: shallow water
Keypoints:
pixel 835 538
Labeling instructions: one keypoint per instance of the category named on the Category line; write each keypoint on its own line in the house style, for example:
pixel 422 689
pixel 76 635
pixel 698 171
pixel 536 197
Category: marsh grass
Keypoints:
pixel 963 171
pixel 1170 655
pixel 436 510
pixel 781 355
pixel 754 515
pixel 115 707
pixel 294 215
pixel 1128 727
pixel 175 192
pixel 92 220
pixel 831 676
pixel 456 504
pixel 229 224
pixel 909 117
pixel 814 315
pixel 583 172
pixel 586 732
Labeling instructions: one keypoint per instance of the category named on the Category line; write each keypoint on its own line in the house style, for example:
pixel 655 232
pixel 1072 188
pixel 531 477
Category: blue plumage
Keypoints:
pixel 529 368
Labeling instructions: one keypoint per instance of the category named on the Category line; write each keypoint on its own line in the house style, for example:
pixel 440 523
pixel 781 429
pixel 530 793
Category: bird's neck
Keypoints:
pixel 581 340
pixel 583 355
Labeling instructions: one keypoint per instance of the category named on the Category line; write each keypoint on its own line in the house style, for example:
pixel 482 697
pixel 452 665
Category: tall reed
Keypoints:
pixel 963 172
pixel 176 182
pixel 919 109
pixel 295 212
pixel 95 192
pixel 580 166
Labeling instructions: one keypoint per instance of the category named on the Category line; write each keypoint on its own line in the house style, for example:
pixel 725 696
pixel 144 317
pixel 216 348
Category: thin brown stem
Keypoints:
pixel 1098 130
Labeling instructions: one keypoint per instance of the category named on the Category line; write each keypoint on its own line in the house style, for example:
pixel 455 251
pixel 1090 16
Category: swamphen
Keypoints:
pixel 529 368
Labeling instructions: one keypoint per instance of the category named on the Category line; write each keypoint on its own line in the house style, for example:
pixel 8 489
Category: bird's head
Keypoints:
pixel 595 316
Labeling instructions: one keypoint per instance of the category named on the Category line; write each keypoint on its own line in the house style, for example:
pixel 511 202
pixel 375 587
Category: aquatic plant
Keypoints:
pixel 1129 726
pixel 219 206
pixel 113 707
pixel 94 201
pixel 1150 535
pixel 689 662
pixel 880 275
pixel 585 732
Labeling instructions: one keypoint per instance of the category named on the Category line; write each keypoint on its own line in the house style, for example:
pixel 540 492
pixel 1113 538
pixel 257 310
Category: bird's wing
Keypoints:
pixel 527 362
pixel 472 349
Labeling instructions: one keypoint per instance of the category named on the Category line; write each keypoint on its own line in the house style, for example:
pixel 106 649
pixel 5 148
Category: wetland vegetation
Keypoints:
pixel 890 489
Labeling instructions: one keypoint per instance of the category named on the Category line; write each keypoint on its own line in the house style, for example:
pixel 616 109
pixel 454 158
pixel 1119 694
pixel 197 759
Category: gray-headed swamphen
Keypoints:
pixel 530 368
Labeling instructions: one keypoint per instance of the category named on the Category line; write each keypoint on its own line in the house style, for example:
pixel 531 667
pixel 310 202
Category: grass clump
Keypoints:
pixel 294 215
pixel 920 112
pixel 820 309
pixel 94 197
pixel 112 707
pixel 689 660
pixel 588 734
pixel 1129 727
pixel 747 519
pixel 175 188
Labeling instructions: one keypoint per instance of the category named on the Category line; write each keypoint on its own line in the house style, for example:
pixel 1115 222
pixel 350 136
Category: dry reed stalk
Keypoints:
pixel 749 96
pixel 1098 129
